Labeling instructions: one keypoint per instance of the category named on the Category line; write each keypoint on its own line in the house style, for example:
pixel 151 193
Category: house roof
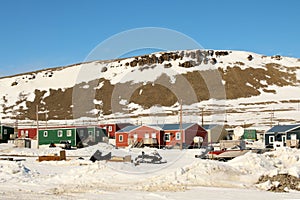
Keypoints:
pixel 283 128
pixel 158 127
pixel 209 126
pixel 128 128
pixel 174 126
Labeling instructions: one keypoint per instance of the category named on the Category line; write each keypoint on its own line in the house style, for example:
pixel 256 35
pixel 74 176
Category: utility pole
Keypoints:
pixel 37 125
pixel 180 124
pixel 272 116
pixel 202 115
pixel 46 117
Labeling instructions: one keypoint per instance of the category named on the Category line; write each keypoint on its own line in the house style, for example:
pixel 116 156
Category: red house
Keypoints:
pixel 173 135
pixel 111 129
pixel 27 133
pixel 160 135
pixel 141 135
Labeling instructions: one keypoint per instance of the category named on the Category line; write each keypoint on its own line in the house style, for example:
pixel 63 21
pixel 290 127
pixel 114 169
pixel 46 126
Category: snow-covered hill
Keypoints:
pixel 232 87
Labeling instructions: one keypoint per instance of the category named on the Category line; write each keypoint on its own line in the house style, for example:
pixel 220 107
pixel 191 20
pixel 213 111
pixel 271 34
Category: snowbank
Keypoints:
pixel 182 172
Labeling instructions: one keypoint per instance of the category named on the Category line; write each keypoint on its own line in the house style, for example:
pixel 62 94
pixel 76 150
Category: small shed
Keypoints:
pixel 215 132
pixel 283 135
pixel 5 132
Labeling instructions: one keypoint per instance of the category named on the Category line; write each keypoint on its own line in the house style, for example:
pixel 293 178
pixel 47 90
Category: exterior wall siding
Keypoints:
pixel 48 136
pixel 27 133
pixel 5 132
pixel 121 139
pixel 193 131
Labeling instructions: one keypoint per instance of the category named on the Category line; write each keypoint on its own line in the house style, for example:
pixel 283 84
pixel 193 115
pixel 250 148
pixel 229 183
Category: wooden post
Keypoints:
pixel 272 116
pixel 180 124
pixel 202 114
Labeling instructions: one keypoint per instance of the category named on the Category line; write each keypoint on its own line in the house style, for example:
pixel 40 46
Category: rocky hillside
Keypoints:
pixel 230 87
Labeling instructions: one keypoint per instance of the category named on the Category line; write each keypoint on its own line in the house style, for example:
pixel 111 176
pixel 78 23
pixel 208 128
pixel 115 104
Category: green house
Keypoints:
pixel 5 132
pixel 74 135
pixel 249 134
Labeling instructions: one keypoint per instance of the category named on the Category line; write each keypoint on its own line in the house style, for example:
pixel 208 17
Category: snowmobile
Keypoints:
pixel 153 158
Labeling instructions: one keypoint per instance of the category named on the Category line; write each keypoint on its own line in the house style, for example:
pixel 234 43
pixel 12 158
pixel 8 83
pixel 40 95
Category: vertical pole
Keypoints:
pixel 272 115
pixel 181 145
pixel 46 116
pixel 202 114
pixel 159 140
pixel 37 125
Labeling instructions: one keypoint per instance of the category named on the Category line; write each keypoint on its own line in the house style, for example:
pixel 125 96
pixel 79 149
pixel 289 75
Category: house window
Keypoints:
pixel 153 135
pixel 97 133
pixel 59 133
pixel 26 133
pixel 293 136
pixel 109 128
pixel 167 137
pixel 22 133
pixel 69 133
pixel 146 135
pixel 45 134
pixel 283 138
pixel 81 133
pixel 5 131
pixel 271 139
pixel 120 138
pixel 135 136
pixel 178 136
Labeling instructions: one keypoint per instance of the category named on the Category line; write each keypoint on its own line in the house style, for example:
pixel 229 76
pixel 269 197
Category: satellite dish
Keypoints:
pixel 238 131
pixel 198 139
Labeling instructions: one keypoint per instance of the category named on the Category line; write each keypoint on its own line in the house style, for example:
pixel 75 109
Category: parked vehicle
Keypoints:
pixel 226 154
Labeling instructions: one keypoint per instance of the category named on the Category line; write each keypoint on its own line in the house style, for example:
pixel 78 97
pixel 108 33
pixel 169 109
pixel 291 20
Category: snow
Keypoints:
pixel 118 72
pixel 182 176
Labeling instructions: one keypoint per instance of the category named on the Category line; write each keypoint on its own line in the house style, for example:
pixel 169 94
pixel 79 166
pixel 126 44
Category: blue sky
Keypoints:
pixel 38 34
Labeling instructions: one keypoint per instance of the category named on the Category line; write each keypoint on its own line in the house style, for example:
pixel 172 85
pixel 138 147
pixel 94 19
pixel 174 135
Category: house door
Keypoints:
pixel 271 139
pixel 283 138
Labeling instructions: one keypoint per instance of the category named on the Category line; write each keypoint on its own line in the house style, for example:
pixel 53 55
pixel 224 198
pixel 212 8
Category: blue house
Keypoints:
pixel 283 135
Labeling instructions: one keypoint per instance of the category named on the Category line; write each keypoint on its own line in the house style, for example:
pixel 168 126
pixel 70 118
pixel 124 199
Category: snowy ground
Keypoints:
pixel 183 176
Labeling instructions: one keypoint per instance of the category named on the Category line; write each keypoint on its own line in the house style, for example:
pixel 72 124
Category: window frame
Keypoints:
pixel 271 139
pixel 81 133
pixel 178 136
pixel 69 133
pixel 59 133
pixel 121 138
pixel 153 135
pixel 167 137
pixel 45 134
